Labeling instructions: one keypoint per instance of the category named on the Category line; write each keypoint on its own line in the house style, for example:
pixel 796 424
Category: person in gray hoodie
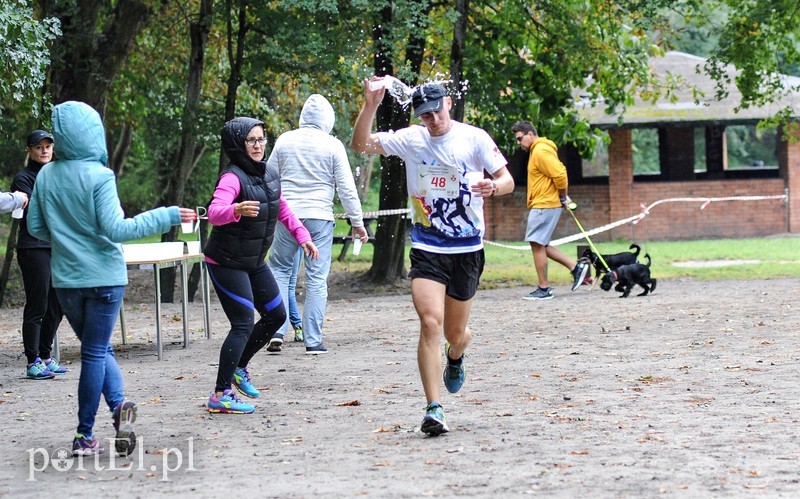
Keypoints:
pixel 312 163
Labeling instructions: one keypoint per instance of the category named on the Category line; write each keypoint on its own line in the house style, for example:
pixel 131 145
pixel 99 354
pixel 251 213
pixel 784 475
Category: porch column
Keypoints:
pixel 789 167
pixel 620 180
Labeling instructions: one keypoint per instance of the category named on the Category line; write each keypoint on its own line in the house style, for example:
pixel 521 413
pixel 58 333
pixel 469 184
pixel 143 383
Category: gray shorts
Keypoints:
pixel 541 225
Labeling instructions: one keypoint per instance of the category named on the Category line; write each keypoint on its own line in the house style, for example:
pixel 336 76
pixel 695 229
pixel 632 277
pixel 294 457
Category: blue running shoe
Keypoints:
pixel 434 422
pixel 241 380
pixel 453 375
pixel 124 415
pixel 82 446
pixel 228 404
pixel 38 370
pixel 54 367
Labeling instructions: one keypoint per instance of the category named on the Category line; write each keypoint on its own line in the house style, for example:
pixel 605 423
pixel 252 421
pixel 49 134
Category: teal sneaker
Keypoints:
pixel 434 422
pixel 38 370
pixel 298 333
pixel 54 367
pixel 454 374
pixel 228 404
pixel 241 381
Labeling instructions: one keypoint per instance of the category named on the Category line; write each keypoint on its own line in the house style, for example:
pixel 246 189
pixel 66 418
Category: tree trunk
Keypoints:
pixel 457 58
pixel 189 150
pixel 390 237
pixel 97 38
pixel 11 246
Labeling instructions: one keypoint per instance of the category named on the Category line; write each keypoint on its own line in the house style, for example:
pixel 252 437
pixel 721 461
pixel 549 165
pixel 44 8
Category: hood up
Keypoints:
pixel 318 113
pixel 79 132
pixel 233 134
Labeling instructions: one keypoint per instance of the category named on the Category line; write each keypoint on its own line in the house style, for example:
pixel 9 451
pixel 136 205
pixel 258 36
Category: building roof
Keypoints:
pixel 685 110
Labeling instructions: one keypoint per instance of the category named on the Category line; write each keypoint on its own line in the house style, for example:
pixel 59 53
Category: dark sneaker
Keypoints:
pixel 317 350
pixel 241 380
pixel 228 404
pixel 298 333
pixel 539 294
pixel 434 423
pixel 124 416
pixel 275 345
pixel 82 446
pixel 579 274
pixel 54 367
pixel 38 370
pixel 453 375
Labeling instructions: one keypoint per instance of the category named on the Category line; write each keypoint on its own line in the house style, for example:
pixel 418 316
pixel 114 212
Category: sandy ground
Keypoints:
pixel 689 392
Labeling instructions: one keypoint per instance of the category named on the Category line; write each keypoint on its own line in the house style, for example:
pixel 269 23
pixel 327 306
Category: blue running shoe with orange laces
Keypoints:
pixel 241 381
pixel 228 404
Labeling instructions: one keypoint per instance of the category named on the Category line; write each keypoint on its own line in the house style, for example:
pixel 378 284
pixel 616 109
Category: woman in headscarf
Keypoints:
pixel 246 205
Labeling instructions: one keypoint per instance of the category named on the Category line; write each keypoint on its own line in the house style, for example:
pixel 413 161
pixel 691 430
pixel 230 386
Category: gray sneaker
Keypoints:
pixel 579 274
pixel 539 294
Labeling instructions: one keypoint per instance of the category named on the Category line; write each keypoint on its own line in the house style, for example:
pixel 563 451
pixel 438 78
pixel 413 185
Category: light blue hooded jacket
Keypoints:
pixel 75 205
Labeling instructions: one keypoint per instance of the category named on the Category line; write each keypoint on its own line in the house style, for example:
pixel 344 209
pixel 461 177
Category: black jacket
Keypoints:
pixel 244 244
pixel 23 182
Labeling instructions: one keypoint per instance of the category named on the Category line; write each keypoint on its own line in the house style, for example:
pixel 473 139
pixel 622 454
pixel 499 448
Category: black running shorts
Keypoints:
pixel 460 273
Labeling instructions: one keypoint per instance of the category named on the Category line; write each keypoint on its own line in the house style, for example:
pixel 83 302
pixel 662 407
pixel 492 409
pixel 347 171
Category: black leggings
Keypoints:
pixel 42 314
pixel 240 293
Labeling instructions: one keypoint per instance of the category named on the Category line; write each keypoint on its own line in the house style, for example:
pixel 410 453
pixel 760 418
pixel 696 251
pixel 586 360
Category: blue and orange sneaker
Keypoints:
pixel 454 374
pixel 434 422
pixel 241 381
pixel 38 370
pixel 228 404
pixel 54 367
pixel 86 446
pixel 124 415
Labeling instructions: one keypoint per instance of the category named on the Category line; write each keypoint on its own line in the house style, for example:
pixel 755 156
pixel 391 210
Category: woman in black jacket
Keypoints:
pixel 42 314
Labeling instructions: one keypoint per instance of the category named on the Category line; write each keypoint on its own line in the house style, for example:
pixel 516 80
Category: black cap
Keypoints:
pixel 428 98
pixel 37 136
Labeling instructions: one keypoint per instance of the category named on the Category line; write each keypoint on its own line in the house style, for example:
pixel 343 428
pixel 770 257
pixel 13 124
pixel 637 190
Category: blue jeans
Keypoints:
pixel 294 312
pixel 92 313
pixel 281 261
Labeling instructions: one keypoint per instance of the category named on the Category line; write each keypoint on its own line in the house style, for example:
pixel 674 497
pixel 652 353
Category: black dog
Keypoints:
pixel 613 261
pixel 627 275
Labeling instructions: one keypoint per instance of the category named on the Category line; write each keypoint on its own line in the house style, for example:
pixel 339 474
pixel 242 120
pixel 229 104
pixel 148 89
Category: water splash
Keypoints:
pixel 403 94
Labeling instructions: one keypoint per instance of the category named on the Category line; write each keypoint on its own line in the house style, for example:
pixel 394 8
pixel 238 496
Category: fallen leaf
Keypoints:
pixel 351 403
pixel 579 452
pixel 382 463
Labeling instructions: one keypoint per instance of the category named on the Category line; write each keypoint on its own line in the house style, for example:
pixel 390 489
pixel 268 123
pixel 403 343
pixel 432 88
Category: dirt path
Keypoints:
pixel 690 392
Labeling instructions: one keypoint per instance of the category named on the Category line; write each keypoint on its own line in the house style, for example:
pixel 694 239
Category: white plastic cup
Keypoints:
pixel 17 213
pixel 357 246
pixel 187 227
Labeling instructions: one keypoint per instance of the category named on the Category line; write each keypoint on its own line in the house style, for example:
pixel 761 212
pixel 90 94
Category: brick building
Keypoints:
pixel 620 194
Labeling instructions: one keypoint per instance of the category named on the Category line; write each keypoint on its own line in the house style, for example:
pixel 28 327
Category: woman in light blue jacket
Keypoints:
pixel 76 207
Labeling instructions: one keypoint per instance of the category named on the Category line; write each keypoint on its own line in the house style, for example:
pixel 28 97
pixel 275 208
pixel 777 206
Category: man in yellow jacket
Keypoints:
pixel 547 196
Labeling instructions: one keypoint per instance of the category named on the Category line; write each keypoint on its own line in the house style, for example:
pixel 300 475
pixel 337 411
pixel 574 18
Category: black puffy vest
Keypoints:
pixel 243 245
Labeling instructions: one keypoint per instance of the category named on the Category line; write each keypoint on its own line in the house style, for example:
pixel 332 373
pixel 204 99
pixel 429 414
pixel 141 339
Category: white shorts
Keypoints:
pixel 541 225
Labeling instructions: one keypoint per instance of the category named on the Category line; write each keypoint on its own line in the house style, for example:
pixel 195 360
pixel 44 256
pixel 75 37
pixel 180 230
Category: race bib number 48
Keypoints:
pixel 438 181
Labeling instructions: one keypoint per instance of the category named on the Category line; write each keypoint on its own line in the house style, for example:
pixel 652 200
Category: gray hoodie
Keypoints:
pixel 312 162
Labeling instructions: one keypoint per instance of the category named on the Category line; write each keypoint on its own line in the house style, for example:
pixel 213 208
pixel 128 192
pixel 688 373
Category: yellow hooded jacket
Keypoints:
pixel 546 175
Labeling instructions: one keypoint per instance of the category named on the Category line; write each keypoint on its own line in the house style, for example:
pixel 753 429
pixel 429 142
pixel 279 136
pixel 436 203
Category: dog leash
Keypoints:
pixel 585 235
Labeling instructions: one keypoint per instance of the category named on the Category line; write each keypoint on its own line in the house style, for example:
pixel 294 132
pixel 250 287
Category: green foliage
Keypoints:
pixel 24 55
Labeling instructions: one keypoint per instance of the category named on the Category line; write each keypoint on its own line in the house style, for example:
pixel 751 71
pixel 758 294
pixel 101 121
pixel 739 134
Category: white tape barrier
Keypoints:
pixel 576 237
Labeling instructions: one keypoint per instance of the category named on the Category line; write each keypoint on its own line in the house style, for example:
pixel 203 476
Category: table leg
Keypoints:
pixel 158 311
pixel 184 303
pixel 205 289
pixel 122 323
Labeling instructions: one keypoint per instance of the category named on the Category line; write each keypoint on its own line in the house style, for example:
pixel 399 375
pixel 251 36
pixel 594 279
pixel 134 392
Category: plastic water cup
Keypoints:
pixel 357 246
pixel 187 227
pixel 17 213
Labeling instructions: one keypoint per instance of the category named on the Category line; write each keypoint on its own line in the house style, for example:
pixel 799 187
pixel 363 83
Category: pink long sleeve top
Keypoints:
pixel 221 210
